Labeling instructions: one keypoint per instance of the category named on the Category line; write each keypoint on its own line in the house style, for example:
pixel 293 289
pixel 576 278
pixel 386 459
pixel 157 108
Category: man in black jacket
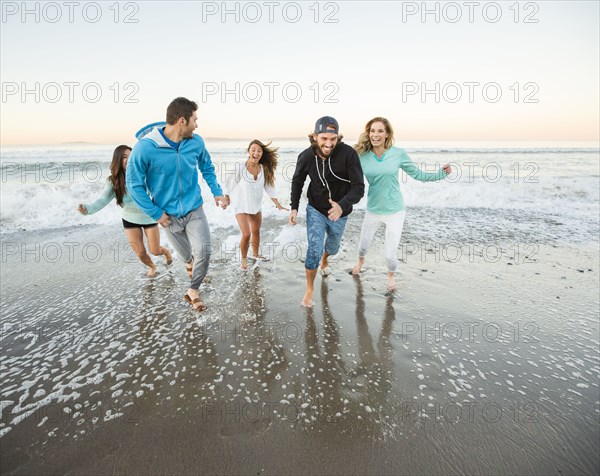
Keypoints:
pixel 336 183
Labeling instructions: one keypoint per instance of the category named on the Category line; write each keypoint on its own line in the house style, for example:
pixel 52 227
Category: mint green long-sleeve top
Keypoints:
pixel 130 211
pixel 384 196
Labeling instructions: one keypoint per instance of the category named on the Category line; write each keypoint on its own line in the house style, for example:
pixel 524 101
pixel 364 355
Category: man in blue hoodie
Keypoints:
pixel 162 178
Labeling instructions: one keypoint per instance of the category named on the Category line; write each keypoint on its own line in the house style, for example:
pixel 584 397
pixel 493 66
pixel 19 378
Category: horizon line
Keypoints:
pixel 596 143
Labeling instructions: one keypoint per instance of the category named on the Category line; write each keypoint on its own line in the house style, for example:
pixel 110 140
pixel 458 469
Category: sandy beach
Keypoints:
pixel 484 361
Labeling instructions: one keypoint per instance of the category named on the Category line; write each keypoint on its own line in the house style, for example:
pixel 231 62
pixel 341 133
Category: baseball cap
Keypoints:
pixel 323 122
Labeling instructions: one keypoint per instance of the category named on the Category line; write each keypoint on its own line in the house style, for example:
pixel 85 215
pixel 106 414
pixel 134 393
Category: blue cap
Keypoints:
pixel 323 122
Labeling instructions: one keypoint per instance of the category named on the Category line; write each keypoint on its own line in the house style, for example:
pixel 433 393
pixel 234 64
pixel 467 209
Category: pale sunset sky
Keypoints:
pixel 98 71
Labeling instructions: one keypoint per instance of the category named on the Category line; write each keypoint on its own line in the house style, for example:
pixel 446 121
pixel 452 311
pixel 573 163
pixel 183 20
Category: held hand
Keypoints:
pixel 293 215
pixel 279 206
pixel 335 212
pixel 222 201
pixel 164 220
pixel 446 168
pixel 81 209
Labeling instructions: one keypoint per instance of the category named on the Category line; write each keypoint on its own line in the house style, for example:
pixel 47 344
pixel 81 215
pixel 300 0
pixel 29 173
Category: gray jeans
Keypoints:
pixel 191 231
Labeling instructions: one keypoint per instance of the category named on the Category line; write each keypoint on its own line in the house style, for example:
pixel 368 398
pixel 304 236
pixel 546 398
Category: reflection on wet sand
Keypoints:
pixel 240 396
pixel 325 369
pixel 375 370
pixel 355 395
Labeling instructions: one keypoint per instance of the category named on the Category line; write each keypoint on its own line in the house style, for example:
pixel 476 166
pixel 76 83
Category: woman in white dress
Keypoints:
pixel 251 179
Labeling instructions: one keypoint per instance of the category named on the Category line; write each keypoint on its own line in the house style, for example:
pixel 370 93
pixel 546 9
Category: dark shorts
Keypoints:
pixel 128 224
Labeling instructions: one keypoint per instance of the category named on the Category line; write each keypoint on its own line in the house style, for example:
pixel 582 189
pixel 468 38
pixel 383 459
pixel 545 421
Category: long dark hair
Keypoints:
pixel 117 173
pixel 268 160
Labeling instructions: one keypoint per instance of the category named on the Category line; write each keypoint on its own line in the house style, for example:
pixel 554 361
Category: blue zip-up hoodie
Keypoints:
pixel 171 176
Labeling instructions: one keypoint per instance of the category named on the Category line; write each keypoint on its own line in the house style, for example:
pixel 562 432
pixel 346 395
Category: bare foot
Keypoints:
pixel 391 283
pixel 152 272
pixel 358 266
pixel 307 299
pixel 244 265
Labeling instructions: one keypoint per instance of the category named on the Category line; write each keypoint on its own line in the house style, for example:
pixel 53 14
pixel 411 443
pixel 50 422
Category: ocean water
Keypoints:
pixel 42 186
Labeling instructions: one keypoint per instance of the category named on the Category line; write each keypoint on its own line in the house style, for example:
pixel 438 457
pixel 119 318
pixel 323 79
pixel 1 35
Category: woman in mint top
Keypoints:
pixel 134 220
pixel 381 162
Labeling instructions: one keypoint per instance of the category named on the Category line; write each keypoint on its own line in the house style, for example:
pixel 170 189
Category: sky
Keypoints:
pixel 439 71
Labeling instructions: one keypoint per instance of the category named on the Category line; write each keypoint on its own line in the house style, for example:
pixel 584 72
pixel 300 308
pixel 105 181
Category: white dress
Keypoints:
pixel 245 192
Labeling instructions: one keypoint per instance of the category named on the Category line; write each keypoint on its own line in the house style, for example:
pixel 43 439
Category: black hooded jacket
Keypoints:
pixel 339 175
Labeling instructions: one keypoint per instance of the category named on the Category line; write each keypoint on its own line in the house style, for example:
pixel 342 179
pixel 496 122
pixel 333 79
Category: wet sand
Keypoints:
pixel 482 363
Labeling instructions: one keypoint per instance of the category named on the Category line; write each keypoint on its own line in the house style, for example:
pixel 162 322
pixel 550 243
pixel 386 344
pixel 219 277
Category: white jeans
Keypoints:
pixel 393 231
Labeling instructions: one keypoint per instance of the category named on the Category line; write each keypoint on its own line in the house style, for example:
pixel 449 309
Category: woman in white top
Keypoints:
pixel 251 179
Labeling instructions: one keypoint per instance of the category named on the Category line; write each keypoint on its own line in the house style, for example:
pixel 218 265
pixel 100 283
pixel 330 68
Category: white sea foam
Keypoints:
pixel 41 187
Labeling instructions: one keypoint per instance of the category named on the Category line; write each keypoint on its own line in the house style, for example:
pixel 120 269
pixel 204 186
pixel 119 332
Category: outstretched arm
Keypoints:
pixel 278 205
pixel 415 172
pixel 107 195
pixel 272 193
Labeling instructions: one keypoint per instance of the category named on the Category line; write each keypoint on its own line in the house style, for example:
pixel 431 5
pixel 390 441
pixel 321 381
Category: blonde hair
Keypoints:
pixel 364 143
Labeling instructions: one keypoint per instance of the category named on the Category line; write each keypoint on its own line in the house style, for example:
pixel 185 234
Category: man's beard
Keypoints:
pixel 320 153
